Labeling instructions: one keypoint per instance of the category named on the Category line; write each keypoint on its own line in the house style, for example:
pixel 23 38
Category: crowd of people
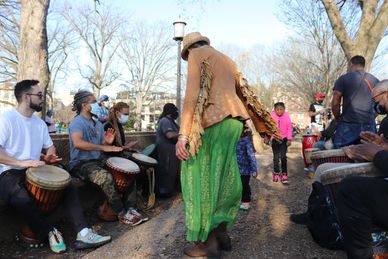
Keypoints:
pixel 210 152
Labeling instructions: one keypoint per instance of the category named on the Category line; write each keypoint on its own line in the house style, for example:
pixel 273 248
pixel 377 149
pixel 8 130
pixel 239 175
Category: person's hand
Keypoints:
pixel 31 163
pixel 130 144
pixel 109 136
pixel 180 149
pixel 370 137
pixel 288 143
pixel 50 159
pixel 365 151
pixel 107 148
pixel 266 139
pixel 322 111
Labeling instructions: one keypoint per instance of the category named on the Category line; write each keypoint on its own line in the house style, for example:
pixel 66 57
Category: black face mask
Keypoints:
pixel 175 115
pixel 380 109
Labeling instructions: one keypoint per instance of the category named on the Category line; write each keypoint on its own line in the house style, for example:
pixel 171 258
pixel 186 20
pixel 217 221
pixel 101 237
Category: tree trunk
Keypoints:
pixel 33 54
pixel 372 27
pixel 139 105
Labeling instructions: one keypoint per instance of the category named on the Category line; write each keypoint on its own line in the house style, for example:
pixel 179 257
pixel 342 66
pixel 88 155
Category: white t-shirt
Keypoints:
pixel 22 137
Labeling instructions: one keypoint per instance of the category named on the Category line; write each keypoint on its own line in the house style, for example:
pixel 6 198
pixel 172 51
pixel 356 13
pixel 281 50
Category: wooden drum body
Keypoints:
pixel 308 142
pixel 123 170
pixel 330 156
pixel 46 184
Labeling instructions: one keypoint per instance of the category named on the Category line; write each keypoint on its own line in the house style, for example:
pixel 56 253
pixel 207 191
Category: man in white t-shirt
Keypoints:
pixel 23 136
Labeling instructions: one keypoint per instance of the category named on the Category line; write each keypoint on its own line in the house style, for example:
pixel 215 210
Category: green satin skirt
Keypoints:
pixel 211 184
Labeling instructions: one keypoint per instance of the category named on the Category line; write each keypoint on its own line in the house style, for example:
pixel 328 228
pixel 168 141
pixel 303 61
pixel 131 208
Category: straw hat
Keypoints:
pixel 190 39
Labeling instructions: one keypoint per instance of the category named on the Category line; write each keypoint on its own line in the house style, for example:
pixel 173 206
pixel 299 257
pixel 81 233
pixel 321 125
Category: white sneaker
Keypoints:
pixel 142 217
pixel 56 241
pixel 91 240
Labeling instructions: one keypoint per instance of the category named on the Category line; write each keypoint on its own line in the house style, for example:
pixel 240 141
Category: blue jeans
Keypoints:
pixel 349 133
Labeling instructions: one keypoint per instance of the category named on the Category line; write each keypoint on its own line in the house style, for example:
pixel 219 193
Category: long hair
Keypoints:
pixel 114 121
pixel 168 108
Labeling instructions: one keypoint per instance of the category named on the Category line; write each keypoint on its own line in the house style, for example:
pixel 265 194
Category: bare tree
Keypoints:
pixel 149 58
pixel 98 30
pixel 371 28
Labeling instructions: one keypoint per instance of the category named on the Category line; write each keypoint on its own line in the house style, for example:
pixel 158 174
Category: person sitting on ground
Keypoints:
pixel 326 136
pixel 118 116
pixel 87 142
pixel 380 98
pixel 23 136
pixel 101 108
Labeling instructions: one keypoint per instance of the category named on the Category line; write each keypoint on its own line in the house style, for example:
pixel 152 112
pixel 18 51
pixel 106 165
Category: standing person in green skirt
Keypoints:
pixel 211 124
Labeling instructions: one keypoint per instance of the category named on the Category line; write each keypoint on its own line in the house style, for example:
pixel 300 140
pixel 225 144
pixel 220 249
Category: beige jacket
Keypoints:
pixel 223 100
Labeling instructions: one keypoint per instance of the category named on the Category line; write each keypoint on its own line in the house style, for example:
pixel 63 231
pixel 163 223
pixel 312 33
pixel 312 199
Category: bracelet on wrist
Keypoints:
pixel 183 137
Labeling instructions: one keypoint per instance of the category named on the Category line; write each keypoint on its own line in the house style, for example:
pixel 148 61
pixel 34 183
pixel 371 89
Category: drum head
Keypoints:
pixel 123 165
pixel 148 150
pixel 328 153
pixel 334 173
pixel 48 177
pixel 143 159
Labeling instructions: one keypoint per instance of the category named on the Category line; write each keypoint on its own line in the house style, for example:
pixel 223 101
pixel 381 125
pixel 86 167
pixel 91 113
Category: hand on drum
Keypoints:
pixel 130 144
pixel 109 136
pixel 369 137
pixel 31 163
pixel 107 148
pixel 181 151
pixel 365 151
pixel 49 159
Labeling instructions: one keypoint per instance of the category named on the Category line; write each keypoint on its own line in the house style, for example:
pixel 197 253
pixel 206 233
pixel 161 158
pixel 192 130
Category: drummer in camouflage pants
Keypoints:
pixel 87 144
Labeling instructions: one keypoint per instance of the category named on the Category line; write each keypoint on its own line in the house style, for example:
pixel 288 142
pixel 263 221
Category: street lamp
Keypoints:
pixel 179 33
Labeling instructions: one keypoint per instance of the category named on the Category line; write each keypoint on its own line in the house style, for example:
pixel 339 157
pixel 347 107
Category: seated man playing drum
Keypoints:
pixel 118 116
pixel 87 144
pixel 23 136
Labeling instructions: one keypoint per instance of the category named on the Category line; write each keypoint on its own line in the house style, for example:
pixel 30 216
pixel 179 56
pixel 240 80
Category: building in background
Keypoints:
pixel 7 97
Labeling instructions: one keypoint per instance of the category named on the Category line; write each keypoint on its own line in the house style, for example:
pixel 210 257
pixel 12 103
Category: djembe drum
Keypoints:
pixel 123 170
pixel 333 174
pixel 330 156
pixel 308 142
pixel 147 165
pixel 46 185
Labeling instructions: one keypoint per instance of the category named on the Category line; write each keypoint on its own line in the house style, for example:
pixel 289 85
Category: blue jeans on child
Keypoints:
pixel 349 133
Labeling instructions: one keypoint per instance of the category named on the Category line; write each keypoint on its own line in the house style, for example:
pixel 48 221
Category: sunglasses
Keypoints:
pixel 374 97
pixel 40 95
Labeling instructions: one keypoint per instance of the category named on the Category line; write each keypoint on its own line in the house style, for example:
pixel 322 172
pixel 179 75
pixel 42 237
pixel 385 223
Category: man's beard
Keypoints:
pixel 35 107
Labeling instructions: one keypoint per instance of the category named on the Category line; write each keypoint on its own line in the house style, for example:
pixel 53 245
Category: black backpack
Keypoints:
pixel 322 220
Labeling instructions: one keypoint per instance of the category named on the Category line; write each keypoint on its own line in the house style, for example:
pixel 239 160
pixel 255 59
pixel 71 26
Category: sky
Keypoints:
pixel 244 23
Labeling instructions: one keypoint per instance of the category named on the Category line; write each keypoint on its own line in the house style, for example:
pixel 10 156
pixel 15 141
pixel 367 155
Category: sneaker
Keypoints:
pixel 276 177
pixel 245 206
pixel 91 240
pixel 284 178
pixel 139 215
pixel 56 241
pixel 301 218
pixel 130 218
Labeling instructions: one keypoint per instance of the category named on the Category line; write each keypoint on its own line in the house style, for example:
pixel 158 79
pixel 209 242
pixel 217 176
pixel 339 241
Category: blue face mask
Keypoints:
pixel 380 109
pixel 107 104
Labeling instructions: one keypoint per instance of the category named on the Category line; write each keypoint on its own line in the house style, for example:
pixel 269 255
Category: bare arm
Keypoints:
pixel 172 135
pixel 81 144
pixel 336 104
pixel 7 160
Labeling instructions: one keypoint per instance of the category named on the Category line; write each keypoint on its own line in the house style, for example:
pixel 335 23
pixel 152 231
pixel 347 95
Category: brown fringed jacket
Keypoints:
pixel 222 100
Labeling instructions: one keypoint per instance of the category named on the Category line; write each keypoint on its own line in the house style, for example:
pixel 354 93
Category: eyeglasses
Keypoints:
pixel 40 95
pixel 374 97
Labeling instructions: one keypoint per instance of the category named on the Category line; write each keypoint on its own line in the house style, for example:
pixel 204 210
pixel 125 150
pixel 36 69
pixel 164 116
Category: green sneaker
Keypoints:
pixel 56 241
pixel 91 240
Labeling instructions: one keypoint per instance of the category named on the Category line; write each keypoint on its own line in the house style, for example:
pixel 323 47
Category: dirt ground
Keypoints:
pixel 262 232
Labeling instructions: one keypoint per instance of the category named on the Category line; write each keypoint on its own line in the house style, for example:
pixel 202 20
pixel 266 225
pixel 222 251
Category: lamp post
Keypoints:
pixel 179 33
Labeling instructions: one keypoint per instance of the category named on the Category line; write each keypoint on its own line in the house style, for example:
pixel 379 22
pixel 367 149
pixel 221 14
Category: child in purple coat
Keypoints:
pixel 282 118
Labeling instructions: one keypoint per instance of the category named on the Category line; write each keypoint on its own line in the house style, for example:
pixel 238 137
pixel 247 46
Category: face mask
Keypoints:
pixel 380 109
pixel 123 119
pixel 107 104
pixel 175 115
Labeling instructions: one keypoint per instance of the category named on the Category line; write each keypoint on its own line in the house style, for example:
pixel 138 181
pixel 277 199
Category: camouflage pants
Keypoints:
pixel 93 171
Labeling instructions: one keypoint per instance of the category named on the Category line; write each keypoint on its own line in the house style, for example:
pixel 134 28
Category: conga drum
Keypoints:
pixel 308 141
pixel 148 165
pixel 46 185
pixel 123 170
pixel 308 152
pixel 149 150
pixel 330 156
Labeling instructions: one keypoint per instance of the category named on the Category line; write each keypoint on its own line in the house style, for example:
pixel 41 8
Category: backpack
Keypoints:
pixel 322 220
